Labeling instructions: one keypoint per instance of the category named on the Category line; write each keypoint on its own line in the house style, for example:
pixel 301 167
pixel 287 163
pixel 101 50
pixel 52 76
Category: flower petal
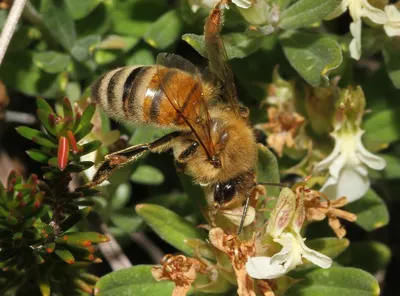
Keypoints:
pixel 326 163
pixel 376 15
pixel 338 11
pixel 328 185
pixel 313 256
pixel 355 44
pixel 373 161
pixel 243 3
pixel 350 184
pixel 261 268
pixel 392 27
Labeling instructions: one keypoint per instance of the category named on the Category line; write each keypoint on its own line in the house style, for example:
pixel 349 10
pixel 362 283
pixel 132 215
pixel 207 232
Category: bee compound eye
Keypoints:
pixel 224 192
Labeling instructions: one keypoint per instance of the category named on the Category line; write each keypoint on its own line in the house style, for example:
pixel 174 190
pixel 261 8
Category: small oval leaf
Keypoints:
pixel 169 226
pixel 312 55
pixel 371 211
pixel 132 281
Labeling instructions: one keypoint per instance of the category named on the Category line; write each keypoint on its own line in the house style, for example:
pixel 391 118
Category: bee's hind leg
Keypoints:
pixel 117 160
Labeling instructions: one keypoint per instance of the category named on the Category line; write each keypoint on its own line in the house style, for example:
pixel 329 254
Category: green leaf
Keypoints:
pixel 127 220
pixel 87 115
pixel 146 135
pixel 237 45
pixel 36 136
pixel 83 48
pixel 121 196
pixel 329 246
pixel 383 126
pixel 18 71
pixel 169 226
pixel 306 12
pixel 73 91
pixel 133 18
pixel 267 169
pixel 65 255
pixel 38 155
pixel 165 31
pixel 57 19
pixel 42 104
pixel 335 281
pixel 90 147
pixel 51 61
pixel 79 9
pixel 83 239
pixel 98 22
pixel 74 218
pixel 147 175
pixel 392 62
pixel 83 131
pixel 378 255
pixel 371 211
pixel 136 280
pixel 142 56
pixel 312 55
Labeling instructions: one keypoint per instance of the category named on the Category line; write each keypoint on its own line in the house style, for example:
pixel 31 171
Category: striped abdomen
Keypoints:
pixel 137 94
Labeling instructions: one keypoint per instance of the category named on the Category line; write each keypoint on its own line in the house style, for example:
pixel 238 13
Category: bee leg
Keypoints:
pixel 117 160
pixel 188 152
pixel 185 155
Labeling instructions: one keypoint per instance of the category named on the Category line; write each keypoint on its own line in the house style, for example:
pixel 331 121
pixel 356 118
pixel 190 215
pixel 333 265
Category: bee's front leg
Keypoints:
pixel 185 155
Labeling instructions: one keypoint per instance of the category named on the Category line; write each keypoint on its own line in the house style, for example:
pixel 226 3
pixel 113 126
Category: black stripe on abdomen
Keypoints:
pixel 129 95
pixel 112 85
pixel 129 82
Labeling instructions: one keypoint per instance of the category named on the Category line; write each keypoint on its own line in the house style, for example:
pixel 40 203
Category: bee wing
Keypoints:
pixel 218 58
pixel 196 117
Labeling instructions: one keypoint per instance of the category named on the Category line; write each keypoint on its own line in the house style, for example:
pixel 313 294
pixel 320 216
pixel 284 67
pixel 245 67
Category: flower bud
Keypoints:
pixel 350 107
pixel 319 105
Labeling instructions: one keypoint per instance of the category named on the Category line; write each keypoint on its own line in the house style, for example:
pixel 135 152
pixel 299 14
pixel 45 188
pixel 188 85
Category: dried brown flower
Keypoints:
pixel 181 270
pixel 317 210
pixel 282 127
pixel 237 251
pixel 265 288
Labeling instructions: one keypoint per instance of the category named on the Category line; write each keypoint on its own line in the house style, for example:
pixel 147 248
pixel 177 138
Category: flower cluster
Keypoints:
pixel 389 17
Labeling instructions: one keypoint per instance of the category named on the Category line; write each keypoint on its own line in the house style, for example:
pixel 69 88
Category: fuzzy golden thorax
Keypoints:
pixel 234 144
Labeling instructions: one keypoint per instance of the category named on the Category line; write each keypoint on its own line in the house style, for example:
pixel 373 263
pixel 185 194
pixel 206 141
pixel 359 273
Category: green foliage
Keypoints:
pixel 335 280
pixel 37 217
pixel 371 211
pixel 133 281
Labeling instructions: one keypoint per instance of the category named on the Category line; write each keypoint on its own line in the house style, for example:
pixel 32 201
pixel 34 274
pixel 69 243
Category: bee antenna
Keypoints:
pixel 246 207
pixel 281 185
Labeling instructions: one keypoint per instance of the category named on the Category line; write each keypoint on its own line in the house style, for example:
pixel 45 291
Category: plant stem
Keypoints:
pixel 9 27
pixel 113 252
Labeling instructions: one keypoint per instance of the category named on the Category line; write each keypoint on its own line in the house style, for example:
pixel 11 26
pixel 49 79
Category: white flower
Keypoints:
pixel 392 27
pixel 347 166
pixel 209 4
pixel 206 4
pixel 359 9
pixel 284 227
pixel 293 250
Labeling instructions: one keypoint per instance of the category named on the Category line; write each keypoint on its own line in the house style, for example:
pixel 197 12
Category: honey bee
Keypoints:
pixel 212 141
